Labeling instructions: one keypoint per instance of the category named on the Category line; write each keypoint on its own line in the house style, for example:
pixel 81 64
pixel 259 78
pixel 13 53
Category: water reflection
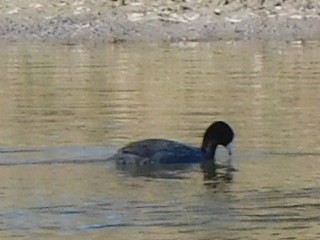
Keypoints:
pixel 79 94
pixel 66 109
pixel 165 171
pixel 213 174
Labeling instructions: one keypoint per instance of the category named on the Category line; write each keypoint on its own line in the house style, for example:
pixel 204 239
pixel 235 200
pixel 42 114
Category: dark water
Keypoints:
pixel 65 109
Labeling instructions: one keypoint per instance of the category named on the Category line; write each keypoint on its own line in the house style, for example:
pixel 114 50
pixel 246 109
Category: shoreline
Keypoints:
pixel 138 21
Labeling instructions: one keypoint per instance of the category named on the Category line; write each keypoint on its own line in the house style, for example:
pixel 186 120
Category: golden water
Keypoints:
pixel 65 109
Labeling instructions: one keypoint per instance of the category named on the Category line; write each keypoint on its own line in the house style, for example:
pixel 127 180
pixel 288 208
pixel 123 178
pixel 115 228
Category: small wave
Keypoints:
pixel 55 155
pixel 293 154
pixel 19 150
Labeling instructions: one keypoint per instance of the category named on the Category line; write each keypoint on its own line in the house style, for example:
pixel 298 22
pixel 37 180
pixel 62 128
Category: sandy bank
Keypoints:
pixel 72 21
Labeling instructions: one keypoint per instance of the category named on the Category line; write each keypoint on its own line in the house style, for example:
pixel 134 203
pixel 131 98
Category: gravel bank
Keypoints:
pixel 73 21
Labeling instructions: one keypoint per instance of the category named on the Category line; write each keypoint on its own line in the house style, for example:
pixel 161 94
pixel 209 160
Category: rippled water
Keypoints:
pixel 65 109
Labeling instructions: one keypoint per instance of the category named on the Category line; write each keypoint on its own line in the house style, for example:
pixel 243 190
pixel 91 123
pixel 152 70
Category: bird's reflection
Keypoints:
pixel 214 174
pixel 166 171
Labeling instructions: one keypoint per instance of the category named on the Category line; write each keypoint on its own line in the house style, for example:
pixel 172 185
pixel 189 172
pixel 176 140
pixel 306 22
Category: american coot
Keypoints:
pixel 162 151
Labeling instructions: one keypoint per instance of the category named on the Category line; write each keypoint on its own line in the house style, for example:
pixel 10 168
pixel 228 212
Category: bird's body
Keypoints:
pixel 158 151
pixel 162 151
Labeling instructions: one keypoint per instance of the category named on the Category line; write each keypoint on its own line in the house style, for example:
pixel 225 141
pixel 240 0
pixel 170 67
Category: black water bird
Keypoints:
pixel 163 151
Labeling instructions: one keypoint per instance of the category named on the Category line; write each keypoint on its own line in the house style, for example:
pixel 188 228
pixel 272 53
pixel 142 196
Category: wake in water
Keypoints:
pixel 55 155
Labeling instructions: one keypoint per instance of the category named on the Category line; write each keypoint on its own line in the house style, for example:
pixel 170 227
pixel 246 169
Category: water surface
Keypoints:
pixel 65 109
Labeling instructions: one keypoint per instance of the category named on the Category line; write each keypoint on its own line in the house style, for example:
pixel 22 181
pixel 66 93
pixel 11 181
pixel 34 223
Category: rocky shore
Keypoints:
pixel 72 21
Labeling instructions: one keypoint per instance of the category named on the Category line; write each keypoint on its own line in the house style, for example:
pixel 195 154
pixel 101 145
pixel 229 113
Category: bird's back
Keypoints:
pixel 157 151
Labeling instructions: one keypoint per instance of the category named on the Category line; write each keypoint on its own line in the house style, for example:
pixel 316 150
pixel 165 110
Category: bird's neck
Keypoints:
pixel 209 150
